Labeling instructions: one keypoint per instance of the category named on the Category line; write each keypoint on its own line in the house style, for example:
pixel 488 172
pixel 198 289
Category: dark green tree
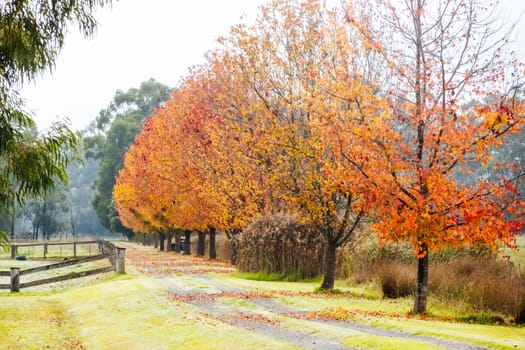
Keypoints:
pixel 110 136
pixel 49 215
pixel 83 218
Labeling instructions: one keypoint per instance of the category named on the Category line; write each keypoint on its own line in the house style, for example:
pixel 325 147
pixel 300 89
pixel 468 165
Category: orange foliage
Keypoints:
pixel 318 112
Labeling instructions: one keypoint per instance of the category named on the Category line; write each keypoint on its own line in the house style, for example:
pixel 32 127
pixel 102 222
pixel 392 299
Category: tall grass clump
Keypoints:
pixel 485 284
pixel 475 279
pixel 222 246
pixel 279 244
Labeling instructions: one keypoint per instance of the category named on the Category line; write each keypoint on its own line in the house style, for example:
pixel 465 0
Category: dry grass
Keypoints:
pixel 222 246
pixel 476 281
pixel 488 285
pixel 279 244
pixel 397 280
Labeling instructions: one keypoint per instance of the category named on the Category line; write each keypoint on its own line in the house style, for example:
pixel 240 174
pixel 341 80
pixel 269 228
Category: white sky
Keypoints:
pixel 137 40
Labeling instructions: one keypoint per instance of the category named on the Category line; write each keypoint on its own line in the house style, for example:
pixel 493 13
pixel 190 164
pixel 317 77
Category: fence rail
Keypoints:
pixel 46 244
pixel 115 255
pixel 67 277
pixel 63 264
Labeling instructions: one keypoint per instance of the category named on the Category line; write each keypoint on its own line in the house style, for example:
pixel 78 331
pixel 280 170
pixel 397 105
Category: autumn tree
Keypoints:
pixel 161 181
pixel 280 64
pixel 443 62
pixel 109 137
pixel 244 131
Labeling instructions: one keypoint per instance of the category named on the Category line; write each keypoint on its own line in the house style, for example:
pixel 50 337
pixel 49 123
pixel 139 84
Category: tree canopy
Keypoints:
pixel 109 137
pixel 377 110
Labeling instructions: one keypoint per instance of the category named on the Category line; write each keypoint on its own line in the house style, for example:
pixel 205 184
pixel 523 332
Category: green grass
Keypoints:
pixel 116 313
pixel 35 323
pixel 290 276
pixel 237 281
pixel 239 303
pixel 494 336
pixel 127 312
pixel 353 338
pixel 490 335
pixel 400 306
pixel 498 337
pixel 387 343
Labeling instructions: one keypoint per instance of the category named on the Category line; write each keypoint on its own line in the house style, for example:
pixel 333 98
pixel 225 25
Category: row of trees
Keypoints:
pixel 61 211
pixel 380 111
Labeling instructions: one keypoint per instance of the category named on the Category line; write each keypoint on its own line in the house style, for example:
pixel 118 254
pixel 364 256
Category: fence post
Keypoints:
pixel 120 255
pixel 14 251
pixel 45 249
pixel 75 249
pixel 15 279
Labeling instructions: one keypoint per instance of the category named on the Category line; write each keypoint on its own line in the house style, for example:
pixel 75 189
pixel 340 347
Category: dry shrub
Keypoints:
pixel 486 284
pixel 397 279
pixel 277 243
pixel 364 257
pixel 472 276
pixel 222 246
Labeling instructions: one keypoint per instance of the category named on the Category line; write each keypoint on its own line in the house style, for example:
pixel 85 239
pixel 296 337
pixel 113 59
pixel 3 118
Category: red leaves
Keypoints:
pixel 343 314
pixel 249 295
pixel 163 263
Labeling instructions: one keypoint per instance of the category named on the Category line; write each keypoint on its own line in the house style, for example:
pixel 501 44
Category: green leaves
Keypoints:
pixel 31 34
pixel 32 164
pixel 113 131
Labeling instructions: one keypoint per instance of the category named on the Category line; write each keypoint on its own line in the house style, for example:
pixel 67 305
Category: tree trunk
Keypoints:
pixel 12 229
pixel 177 243
pixel 420 297
pixel 156 244
pixel 187 242
pixel 162 237
pixel 201 243
pixel 233 245
pixel 36 229
pixel 73 223
pixel 329 266
pixel 13 217
pixel 169 238
pixel 213 251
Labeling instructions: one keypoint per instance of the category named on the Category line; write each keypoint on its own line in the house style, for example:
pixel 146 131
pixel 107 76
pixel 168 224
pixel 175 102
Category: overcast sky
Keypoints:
pixel 137 40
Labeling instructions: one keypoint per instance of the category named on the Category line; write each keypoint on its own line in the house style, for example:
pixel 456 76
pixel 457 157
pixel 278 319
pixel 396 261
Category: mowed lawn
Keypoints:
pixel 117 313
pixel 136 311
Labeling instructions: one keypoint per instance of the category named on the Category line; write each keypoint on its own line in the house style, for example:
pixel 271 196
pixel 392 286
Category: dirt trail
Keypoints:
pixel 186 280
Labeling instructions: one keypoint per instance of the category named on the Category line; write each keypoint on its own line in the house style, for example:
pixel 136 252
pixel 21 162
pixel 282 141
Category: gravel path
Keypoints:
pixel 259 312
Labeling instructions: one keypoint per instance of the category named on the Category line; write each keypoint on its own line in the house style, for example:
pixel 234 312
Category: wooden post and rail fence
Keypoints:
pixel 107 250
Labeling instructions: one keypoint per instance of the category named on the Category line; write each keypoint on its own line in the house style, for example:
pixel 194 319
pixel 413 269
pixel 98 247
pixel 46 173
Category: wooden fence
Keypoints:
pixel 46 244
pixel 115 255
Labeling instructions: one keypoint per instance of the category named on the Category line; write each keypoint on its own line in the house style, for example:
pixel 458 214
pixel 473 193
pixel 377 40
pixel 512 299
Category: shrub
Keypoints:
pixel 277 243
pixel 471 276
pixel 486 284
pixel 397 279
pixel 222 246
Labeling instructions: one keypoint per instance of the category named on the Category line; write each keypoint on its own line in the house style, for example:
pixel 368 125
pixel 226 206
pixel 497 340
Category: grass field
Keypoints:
pixel 170 301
